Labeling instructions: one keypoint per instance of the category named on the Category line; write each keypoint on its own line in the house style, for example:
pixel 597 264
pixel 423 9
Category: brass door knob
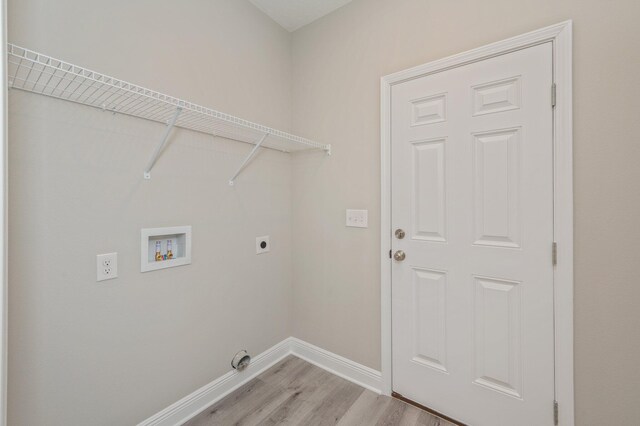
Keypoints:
pixel 399 255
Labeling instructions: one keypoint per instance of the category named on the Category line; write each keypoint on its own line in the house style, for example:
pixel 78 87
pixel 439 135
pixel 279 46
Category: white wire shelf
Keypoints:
pixel 34 72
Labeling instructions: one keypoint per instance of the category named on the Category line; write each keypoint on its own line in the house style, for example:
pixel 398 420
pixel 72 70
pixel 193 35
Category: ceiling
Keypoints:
pixel 293 14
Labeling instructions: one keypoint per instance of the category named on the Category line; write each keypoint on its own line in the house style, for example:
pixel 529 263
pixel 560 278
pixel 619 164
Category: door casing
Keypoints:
pixel 561 37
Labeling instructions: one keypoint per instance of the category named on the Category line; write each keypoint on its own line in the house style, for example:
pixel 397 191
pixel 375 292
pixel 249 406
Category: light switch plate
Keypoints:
pixel 358 218
pixel 107 266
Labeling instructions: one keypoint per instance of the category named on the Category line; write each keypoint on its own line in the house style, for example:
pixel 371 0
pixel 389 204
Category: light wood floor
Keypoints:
pixel 294 392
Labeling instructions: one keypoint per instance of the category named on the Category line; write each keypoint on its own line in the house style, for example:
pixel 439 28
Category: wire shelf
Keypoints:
pixel 34 72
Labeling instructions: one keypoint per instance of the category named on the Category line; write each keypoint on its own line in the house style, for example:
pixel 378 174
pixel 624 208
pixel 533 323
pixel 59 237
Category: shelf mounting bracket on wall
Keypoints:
pixel 248 159
pixel 163 142
pixel 38 73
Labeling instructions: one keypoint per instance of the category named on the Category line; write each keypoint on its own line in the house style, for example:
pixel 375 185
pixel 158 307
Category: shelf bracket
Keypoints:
pixel 248 159
pixel 163 142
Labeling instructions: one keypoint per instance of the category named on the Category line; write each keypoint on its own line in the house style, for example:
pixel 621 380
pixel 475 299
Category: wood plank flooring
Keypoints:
pixel 294 392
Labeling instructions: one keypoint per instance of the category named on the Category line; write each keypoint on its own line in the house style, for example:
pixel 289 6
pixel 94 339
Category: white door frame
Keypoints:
pixel 561 37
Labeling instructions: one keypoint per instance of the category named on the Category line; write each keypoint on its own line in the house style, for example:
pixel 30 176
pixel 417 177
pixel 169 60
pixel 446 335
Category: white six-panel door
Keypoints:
pixel 472 189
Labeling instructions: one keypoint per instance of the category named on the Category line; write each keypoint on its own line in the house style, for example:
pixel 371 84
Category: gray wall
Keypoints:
pixel 114 353
pixel 338 62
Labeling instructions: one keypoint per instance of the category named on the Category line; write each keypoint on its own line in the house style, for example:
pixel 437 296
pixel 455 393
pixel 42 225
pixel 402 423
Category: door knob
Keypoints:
pixel 399 234
pixel 399 255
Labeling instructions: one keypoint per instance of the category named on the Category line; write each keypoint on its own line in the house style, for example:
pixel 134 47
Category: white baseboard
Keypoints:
pixel 191 405
pixel 338 365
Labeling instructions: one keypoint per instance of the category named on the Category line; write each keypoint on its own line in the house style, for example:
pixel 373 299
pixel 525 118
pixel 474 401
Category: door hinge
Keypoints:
pixel 553 95
pixel 555 413
pixel 554 253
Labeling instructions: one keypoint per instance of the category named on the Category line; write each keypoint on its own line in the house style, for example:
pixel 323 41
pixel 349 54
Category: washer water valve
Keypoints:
pixel 241 360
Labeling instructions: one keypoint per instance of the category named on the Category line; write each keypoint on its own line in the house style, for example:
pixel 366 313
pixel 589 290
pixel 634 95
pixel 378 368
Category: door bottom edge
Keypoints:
pixel 402 398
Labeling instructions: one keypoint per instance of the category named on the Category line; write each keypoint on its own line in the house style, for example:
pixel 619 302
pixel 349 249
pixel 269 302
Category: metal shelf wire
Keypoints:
pixel 34 72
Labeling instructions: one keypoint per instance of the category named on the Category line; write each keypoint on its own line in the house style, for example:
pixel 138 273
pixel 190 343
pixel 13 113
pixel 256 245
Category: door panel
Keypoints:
pixel 472 186
pixel 498 361
pixel 428 194
pixel 429 301
pixel 496 166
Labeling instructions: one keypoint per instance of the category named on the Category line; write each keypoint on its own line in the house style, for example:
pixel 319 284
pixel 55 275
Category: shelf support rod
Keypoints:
pixel 163 142
pixel 248 159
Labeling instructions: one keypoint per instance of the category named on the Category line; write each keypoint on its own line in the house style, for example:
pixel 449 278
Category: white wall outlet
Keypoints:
pixel 263 245
pixel 107 265
pixel 358 218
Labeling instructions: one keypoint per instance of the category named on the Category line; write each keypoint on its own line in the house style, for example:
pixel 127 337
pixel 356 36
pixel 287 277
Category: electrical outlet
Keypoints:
pixel 262 245
pixel 107 266
pixel 358 218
